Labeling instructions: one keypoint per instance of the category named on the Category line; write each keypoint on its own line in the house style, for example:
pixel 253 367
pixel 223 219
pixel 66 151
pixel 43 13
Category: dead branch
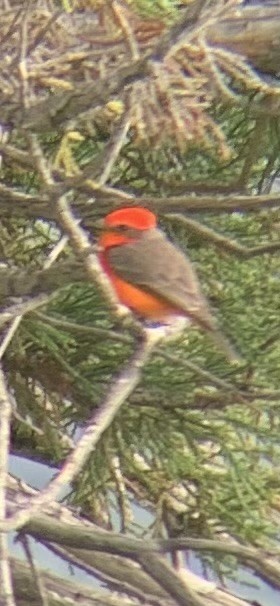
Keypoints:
pixel 58 590
pixel 78 540
pixel 172 77
pixel 6 586
pixel 14 203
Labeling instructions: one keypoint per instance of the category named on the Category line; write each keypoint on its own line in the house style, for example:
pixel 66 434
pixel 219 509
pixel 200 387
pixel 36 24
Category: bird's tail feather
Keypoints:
pixel 226 346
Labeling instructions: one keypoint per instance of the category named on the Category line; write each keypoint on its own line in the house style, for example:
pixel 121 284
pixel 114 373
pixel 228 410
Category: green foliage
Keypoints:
pixel 160 8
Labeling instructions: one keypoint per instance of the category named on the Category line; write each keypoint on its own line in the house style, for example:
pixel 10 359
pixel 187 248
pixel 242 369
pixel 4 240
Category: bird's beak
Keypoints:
pixel 99 225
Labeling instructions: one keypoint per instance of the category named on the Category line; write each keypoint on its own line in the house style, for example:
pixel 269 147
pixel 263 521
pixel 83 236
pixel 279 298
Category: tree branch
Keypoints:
pixel 226 244
pixel 6 586
pixel 120 390
pixel 56 525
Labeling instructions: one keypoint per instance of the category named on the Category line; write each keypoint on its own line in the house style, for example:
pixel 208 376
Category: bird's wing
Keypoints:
pixel 154 264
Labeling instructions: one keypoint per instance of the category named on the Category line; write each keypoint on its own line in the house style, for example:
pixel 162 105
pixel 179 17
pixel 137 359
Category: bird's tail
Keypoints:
pixel 226 346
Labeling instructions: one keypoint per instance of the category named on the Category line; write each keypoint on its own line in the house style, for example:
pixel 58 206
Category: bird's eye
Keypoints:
pixel 123 227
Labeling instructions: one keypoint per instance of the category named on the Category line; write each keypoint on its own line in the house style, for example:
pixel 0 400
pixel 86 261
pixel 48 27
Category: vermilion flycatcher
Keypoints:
pixel 150 275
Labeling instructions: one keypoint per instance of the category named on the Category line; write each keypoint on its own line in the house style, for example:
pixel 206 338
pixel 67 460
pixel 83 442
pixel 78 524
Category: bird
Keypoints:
pixel 152 276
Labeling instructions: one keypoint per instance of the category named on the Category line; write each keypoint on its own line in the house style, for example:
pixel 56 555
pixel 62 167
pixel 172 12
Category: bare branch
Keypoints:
pixel 60 591
pixel 113 149
pixel 212 203
pixel 24 540
pixel 83 542
pixel 100 421
pixel 6 585
pixel 226 244
pixel 91 538
pixel 22 308
pixel 173 584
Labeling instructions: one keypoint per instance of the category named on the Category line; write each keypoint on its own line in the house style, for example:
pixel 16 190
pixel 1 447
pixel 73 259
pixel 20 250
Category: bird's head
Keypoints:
pixel 125 225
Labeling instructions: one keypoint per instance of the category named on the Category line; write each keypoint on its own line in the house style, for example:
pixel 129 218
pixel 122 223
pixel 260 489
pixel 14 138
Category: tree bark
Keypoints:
pixel 253 32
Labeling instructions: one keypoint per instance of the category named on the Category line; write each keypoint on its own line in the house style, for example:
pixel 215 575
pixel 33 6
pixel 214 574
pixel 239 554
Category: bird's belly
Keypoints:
pixel 143 303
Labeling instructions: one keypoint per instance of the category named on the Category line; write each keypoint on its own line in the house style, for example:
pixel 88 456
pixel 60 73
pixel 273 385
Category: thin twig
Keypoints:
pixel 22 67
pixel 103 333
pixel 114 149
pixel 24 540
pixel 9 335
pixel 121 492
pixel 6 583
pixel 123 23
pixel 58 248
pixel 206 374
pixel 22 308
pixel 227 244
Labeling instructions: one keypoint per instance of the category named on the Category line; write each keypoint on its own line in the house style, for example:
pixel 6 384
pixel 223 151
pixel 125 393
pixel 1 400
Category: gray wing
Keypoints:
pixel 157 266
